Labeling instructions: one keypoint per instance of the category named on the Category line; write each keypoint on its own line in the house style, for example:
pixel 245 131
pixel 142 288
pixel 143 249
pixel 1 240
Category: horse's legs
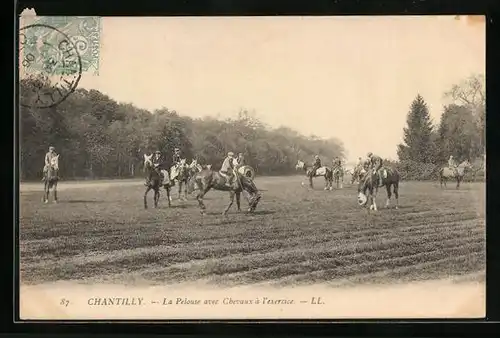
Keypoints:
pixel 167 188
pixel 326 182
pixel 231 201
pixel 44 197
pixel 238 200
pixel 388 187
pixel 199 197
pixel 156 196
pixel 185 190
pixel 458 182
pixel 396 193
pixel 373 196
pixel 146 197
pixel 55 192
pixel 342 182
pixel 310 182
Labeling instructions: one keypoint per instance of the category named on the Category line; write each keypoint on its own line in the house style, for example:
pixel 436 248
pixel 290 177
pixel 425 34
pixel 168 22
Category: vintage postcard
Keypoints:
pixel 286 167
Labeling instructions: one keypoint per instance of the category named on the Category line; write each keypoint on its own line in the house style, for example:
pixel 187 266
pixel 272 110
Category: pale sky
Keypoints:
pixel 353 78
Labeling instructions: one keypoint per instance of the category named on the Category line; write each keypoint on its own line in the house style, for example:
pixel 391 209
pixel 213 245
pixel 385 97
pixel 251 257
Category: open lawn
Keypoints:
pixel 100 233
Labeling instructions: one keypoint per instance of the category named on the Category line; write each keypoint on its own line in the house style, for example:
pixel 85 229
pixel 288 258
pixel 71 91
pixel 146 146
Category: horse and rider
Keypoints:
pixel 228 178
pixel 453 171
pixel 50 173
pixel 377 176
pixel 316 170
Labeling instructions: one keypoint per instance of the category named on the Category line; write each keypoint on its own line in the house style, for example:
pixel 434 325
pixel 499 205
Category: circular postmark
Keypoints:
pixel 50 66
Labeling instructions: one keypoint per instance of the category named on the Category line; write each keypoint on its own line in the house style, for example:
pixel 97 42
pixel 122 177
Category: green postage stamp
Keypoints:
pixel 83 33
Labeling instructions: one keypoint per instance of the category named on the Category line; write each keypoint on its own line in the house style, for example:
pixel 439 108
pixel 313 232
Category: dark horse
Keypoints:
pixel 457 173
pixel 159 178
pixel 322 171
pixel 207 179
pixel 50 179
pixel 369 184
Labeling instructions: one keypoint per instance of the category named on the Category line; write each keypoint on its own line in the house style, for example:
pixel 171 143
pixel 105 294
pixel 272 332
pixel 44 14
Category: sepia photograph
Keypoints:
pixel 286 167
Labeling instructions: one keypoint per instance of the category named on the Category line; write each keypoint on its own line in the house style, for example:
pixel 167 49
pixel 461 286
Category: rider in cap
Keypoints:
pixel 227 169
pixel 337 163
pixel 376 165
pixel 157 161
pixel 239 161
pixel 451 162
pixel 176 158
pixel 316 164
pixel 48 158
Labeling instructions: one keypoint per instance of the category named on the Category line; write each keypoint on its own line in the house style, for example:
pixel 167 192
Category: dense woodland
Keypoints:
pixel 101 138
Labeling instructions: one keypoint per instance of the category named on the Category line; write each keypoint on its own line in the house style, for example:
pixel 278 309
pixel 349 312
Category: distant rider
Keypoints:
pixel 227 169
pixel 337 163
pixel 176 160
pixel 48 158
pixel 316 164
pixel 157 161
pixel 451 163
pixel 376 165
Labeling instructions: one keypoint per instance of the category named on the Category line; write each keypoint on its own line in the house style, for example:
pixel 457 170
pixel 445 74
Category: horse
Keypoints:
pixel 370 183
pixel 457 173
pixel 338 177
pixel 158 179
pixel 51 177
pixel 207 179
pixel 322 171
pixel 478 166
pixel 182 177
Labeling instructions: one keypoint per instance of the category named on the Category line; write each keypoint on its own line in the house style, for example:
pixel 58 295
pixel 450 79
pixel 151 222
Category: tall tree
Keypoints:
pixel 471 93
pixel 418 145
pixel 458 134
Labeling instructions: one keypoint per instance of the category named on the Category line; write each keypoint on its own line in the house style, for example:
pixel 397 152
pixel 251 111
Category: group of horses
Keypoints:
pixel 335 174
pixel 369 181
pixel 196 177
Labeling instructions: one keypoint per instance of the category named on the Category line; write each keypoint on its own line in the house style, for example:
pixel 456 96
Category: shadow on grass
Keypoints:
pixel 82 201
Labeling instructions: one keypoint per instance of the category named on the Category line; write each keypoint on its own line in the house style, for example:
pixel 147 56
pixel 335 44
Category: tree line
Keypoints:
pixel 460 131
pixel 99 137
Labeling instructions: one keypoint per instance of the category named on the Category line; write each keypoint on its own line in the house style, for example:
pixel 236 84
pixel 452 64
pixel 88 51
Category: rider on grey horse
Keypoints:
pixel 451 163
pixel 227 169
pixel 316 164
pixel 48 158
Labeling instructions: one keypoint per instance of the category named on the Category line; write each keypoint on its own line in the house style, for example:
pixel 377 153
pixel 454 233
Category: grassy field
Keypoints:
pixel 99 232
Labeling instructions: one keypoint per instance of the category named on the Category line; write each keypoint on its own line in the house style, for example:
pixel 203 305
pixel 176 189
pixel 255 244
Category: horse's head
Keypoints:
pixel 465 164
pixel 299 165
pixel 148 161
pixel 54 162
